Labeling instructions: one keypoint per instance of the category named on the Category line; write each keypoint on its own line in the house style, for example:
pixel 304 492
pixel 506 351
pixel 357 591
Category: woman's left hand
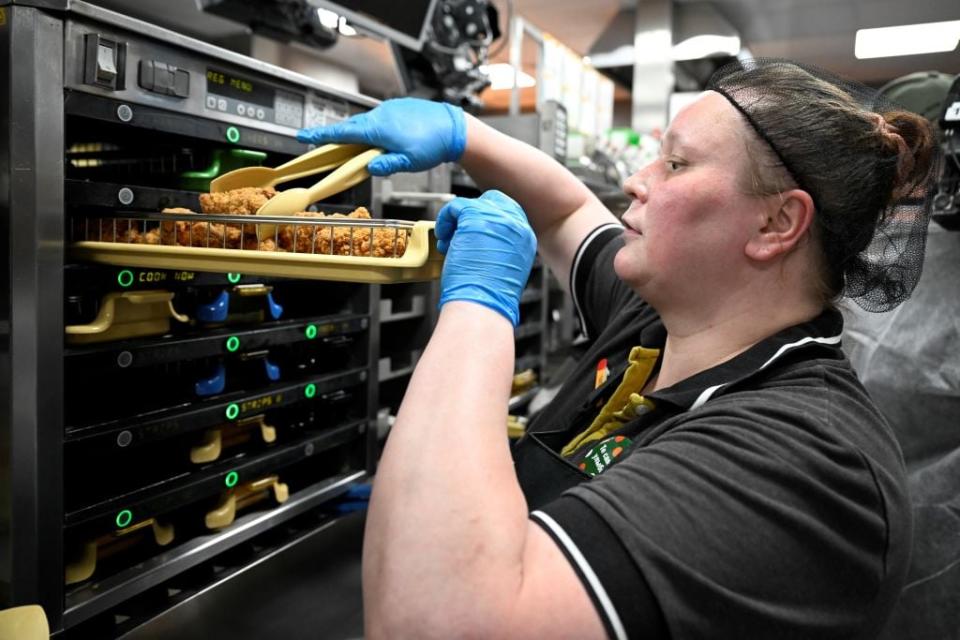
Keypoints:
pixel 490 249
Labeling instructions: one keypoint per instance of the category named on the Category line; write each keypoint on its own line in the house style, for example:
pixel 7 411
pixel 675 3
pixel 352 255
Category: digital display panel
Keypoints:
pixel 229 85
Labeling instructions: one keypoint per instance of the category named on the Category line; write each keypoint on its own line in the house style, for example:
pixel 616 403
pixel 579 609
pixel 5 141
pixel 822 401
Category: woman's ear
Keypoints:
pixel 782 225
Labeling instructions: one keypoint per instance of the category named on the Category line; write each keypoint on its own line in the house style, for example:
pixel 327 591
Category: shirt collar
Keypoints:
pixel 821 334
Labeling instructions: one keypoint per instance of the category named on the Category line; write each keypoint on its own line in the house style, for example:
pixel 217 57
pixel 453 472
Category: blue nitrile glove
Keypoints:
pixel 416 134
pixel 490 248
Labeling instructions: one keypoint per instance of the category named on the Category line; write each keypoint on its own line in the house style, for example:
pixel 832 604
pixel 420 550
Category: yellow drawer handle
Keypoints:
pixel 268 433
pixel 117 303
pixel 245 495
pixel 209 450
pixel 84 565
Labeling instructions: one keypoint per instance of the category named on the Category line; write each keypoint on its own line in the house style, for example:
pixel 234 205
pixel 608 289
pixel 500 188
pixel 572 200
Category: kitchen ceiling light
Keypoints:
pixel 908 39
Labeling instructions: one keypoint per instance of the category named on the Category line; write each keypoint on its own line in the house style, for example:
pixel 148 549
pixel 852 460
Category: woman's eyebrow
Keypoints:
pixel 673 141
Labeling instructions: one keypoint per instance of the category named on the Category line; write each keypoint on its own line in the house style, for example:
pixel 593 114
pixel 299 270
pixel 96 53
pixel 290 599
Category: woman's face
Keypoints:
pixel 688 224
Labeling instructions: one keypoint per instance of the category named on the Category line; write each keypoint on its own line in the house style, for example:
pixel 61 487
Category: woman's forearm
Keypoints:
pixel 447 522
pixel 546 190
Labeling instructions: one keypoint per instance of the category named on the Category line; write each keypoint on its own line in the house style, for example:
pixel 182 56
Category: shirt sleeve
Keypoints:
pixel 597 291
pixel 733 525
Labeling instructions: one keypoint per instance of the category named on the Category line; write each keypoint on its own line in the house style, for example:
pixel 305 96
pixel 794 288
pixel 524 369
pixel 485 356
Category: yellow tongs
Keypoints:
pixel 349 162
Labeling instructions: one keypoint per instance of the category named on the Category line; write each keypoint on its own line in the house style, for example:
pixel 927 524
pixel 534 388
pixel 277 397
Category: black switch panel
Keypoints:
pixel 164 78
pixel 105 62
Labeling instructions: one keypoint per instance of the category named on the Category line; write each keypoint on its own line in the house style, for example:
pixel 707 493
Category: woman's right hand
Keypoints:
pixel 416 134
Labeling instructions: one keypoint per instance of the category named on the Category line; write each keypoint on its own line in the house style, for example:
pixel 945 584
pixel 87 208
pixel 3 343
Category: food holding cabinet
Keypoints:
pixel 185 391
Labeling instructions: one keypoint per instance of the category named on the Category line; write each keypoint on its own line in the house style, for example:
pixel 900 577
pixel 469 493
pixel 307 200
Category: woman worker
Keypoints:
pixel 729 478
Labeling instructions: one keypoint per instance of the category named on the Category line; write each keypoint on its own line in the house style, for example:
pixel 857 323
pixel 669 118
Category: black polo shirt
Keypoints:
pixel 762 498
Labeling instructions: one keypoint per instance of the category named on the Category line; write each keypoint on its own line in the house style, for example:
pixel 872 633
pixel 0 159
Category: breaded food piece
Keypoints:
pixel 301 237
pixel 268 245
pixel 387 242
pixel 177 232
pixel 113 230
pixel 243 201
pixel 379 242
pixel 215 234
pixel 150 237
pixel 251 244
pixel 344 240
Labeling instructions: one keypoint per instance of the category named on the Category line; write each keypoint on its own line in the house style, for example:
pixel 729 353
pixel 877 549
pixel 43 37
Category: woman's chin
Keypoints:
pixel 627 267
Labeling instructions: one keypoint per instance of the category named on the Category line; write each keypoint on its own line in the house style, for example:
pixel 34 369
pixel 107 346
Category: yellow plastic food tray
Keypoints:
pixel 421 260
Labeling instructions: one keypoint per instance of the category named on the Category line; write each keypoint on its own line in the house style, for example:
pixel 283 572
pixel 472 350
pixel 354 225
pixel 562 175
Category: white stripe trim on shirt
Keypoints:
pixel 587 571
pixel 708 392
pixel 576 263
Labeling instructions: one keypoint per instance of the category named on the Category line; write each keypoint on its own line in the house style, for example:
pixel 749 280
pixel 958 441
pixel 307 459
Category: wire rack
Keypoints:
pixel 308 234
pixel 332 247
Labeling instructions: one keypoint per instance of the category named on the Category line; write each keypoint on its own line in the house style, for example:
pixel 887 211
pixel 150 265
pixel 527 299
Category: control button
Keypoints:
pixel 104 62
pixel 261 114
pixel 221 104
pixel 146 76
pixel 242 109
pixel 211 102
pixel 181 82
pixel 165 79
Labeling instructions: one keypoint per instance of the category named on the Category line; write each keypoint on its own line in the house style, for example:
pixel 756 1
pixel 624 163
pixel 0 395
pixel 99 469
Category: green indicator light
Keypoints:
pixel 310 390
pixel 124 518
pixel 233 134
pixel 125 278
pixel 311 331
pixel 234 278
pixel 233 343
pixel 231 479
pixel 233 411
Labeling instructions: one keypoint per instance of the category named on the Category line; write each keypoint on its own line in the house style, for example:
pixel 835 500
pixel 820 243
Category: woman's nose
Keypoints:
pixel 636 186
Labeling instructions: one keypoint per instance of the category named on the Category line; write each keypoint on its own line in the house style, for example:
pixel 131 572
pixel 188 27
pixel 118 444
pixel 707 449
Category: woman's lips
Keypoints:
pixel 630 229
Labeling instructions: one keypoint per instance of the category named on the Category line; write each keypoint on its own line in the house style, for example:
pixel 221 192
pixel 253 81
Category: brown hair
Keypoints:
pixel 854 162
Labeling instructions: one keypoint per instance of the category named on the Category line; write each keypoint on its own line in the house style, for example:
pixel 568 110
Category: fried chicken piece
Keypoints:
pixel 387 242
pixel 177 232
pixel 243 201
pixel 301 237
pixel 114 230
pixel 150 237
pixel 214 234
pixel 317 238
pixel 251 244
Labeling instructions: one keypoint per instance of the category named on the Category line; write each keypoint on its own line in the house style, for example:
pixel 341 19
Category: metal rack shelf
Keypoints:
pixel 189 487
pixel 97 597
pixel 142 429
pixel 147 352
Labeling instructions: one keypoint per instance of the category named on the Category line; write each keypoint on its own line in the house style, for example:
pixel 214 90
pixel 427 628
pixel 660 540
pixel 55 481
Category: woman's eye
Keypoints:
pixel 673 165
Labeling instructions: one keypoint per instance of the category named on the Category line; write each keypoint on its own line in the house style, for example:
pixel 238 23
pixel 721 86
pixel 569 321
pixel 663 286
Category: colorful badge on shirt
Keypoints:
pixel 600 457
pixel 603 372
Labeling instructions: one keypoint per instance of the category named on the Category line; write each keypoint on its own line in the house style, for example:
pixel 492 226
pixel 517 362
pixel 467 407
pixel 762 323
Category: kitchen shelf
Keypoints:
pixel 100 595
pixel 162 497
pixel 419 262
pixel 191 416
pixel 149 352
